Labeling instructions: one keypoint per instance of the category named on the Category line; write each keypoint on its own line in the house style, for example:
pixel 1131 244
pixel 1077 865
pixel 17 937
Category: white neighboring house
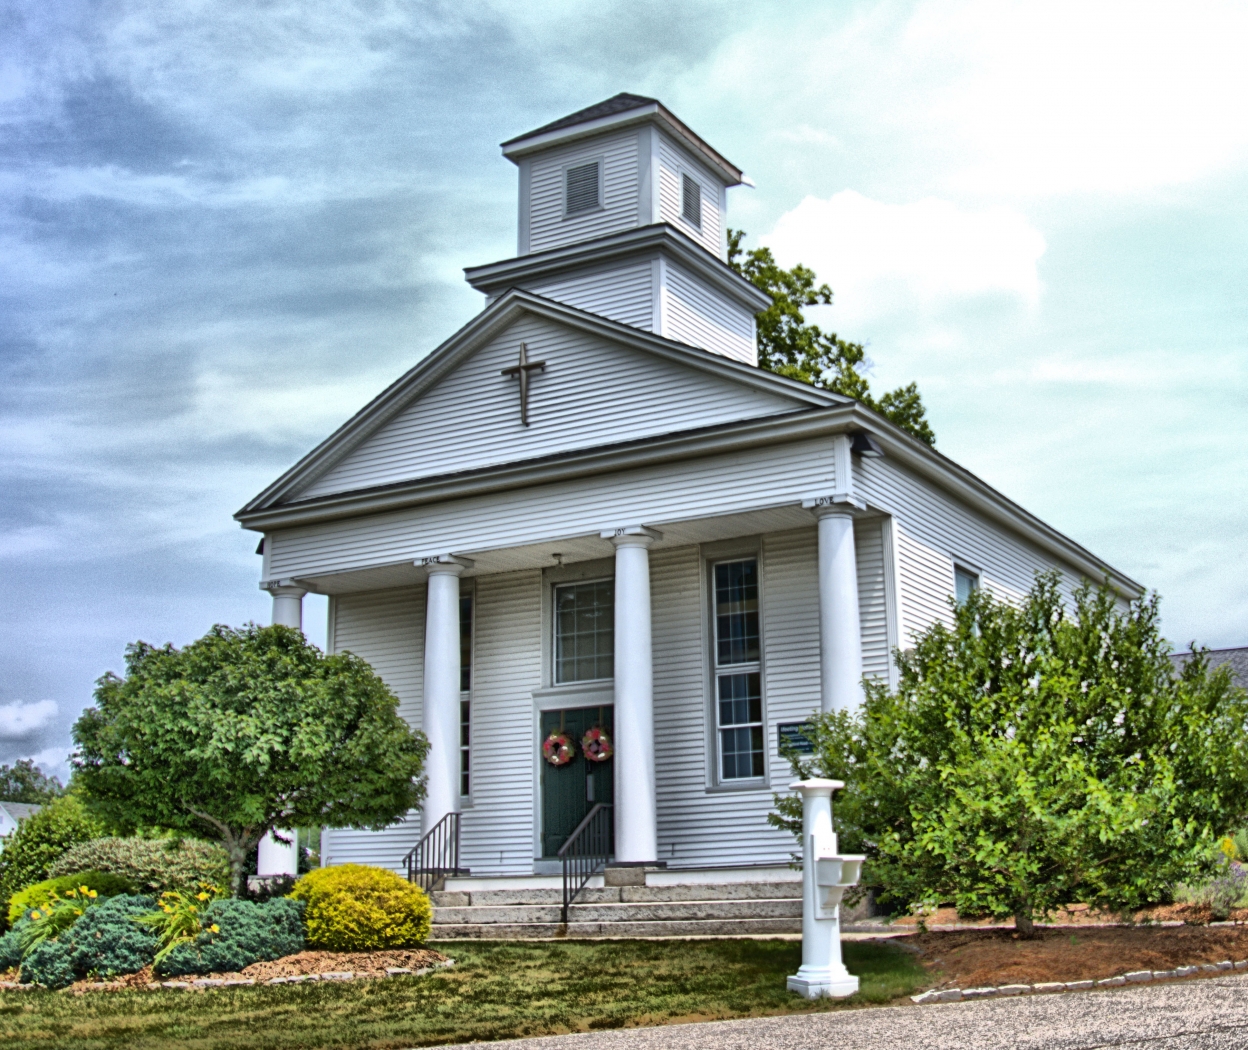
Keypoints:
pixel 10 814
pixel 590 508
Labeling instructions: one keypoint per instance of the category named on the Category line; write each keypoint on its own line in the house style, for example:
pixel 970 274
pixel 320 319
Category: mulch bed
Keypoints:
pixel 979 958
pixel 358 964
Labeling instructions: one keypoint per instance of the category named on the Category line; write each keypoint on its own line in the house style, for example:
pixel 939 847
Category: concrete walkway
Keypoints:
pixel 1201 1014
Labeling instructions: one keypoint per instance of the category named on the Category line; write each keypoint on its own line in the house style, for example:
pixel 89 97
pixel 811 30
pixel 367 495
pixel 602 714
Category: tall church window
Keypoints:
pixel 738 670
pixel 583 187
pixel 585 631
pixel 465 699
pixel 691 201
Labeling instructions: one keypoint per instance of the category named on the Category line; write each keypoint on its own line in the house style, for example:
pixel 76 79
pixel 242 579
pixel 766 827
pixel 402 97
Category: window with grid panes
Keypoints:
pixel 465 684
pixel 584 631
pixel 738 670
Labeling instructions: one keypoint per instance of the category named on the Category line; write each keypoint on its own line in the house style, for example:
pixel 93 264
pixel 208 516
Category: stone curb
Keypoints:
pixel 200 983
pixel 955 995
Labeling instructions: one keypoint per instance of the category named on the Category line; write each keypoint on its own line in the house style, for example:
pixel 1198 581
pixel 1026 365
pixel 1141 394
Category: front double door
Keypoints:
pixel 570 791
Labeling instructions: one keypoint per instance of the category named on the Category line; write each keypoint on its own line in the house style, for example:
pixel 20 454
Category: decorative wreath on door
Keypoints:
pixel 558 748
pixel 596 745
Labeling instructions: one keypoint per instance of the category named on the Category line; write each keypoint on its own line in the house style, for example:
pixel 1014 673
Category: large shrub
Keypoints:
pixel 40 893
pixel 355 908
pixel 39 842
pixel 247 932
pixel 242 732
pixel 152 865
pixel 1034 756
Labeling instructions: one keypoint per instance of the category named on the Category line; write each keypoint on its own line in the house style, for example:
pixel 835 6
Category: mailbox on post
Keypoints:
pixel 826 875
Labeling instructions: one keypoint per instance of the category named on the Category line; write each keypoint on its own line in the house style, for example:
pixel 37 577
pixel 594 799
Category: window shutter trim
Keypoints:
pixel 691 201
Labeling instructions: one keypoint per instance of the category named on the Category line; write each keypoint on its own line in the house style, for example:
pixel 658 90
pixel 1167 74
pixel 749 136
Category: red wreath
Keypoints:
pixel 558 749
pixel 596 745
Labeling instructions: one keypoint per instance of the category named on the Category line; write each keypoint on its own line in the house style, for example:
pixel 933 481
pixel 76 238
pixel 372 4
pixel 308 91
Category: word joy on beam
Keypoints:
pixel 521 371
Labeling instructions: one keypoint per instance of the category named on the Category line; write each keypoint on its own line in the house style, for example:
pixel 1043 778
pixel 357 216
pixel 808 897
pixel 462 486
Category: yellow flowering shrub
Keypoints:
pixel 356 908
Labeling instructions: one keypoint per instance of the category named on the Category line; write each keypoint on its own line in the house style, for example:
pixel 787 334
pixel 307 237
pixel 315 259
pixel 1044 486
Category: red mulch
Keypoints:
pixel 979 958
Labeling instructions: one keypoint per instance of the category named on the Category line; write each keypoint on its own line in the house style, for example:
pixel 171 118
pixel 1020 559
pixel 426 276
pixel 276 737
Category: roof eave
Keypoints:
pixel 490 278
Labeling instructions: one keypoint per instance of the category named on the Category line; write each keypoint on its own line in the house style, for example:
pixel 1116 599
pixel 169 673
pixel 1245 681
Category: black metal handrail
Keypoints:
pixel 436 855
pixel 587 850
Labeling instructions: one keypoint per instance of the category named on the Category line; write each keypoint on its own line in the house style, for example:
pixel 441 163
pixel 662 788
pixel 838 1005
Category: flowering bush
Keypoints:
pixel 355 908
pixel 181 917
pixel 41 893
pixel 39 842
pixel 57 915
pixel 104 941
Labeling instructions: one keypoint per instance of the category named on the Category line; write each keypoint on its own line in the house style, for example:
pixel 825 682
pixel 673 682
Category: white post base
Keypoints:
pixel 814 982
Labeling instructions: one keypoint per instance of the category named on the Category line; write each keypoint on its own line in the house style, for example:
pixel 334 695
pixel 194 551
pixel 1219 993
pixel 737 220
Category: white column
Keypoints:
pixel 636 824
pixel 278 858
pixel 840 629
pixel 825 877
pixel 287 602
pixel 440 711
pixel 274 857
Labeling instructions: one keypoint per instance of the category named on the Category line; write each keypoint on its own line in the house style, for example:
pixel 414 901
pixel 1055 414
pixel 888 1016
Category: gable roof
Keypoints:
pixel 478 332
pixel 1236 659
pixel 618 111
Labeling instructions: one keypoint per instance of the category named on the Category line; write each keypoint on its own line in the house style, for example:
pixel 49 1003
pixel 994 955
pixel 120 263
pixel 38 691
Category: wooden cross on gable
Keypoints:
pixel 521 371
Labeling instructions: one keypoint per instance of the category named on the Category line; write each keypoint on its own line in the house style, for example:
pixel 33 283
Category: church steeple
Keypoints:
pixel 622 213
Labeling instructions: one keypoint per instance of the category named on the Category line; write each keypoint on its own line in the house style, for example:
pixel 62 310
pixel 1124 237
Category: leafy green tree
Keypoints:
pixel 791 346
pixel 26 782
pixel 244 731
pixel 39 841
pixel 1034 756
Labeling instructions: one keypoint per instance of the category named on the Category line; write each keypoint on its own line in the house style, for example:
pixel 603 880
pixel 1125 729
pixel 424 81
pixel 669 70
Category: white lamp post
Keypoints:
pixel 826 876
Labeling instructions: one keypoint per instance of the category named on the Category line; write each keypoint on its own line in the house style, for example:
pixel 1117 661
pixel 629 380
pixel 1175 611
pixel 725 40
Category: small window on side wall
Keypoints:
pixel 691 201
pixel 965 583
pixel 583 188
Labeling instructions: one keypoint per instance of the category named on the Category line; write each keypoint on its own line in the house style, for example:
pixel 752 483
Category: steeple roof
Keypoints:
pixel 619 111
pixel 620 103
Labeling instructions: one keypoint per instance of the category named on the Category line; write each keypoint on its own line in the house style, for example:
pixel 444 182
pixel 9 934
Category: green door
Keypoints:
pixel 570 791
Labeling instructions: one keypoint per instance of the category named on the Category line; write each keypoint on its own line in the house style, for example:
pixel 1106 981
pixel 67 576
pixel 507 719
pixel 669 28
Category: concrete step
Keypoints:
pixel 621 894
pixel 552 930
pixel 672 911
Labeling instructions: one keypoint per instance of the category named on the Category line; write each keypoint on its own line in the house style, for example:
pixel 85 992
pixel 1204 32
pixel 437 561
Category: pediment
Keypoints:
pixel 602 384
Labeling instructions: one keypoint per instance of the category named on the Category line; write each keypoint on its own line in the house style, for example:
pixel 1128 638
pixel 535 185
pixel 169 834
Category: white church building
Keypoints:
pixel 589 528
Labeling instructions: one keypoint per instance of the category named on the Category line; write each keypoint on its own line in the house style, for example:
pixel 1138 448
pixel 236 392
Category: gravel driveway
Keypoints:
pixel 1201 1014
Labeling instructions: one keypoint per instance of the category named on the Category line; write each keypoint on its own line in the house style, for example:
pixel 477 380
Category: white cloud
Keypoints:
pixel 21 720
pixel 925 255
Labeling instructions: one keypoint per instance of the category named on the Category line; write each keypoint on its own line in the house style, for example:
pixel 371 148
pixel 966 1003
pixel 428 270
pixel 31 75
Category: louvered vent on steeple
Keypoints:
pixel 583 184
pixel 691 201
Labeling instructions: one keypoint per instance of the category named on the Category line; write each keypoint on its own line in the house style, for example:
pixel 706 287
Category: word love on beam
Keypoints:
pixel 826 875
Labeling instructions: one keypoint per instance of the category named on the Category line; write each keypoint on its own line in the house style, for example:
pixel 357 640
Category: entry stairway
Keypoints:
pixel 624 902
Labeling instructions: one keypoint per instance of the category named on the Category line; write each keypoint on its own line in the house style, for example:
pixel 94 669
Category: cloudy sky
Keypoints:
pixel 224 226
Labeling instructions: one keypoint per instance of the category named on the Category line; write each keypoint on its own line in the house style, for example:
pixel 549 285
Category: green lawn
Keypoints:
pixel 495 991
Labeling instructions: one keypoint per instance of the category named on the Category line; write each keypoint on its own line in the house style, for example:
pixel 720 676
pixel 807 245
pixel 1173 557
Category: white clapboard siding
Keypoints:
pixel 673 161
pixel 872 598
pixel 497 830
pixel 548 228
pixel 624 293
pixel 592 392
pixel 386 628
pixel 934 531
pixel 695 314
pixel 680 701
pixel 682 491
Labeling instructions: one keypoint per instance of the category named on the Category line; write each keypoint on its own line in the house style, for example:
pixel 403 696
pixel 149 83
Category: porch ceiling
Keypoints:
pixel 571 549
